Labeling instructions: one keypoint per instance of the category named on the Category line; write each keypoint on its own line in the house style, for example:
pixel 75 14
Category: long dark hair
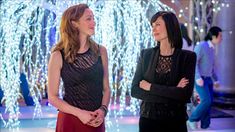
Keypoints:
pixel 172 27
pixel 213 31
pixel 184 33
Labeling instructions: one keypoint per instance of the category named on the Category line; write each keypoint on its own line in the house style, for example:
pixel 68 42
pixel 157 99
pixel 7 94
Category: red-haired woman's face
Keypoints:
pixel 86 24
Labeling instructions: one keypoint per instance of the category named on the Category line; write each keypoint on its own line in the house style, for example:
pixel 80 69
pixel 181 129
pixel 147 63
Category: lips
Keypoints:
pixel 92 28
pixel 156 34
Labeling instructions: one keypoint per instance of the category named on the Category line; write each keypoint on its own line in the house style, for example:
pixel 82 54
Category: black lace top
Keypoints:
pixel 158 111
pixel 164 101
pixel 163 69
pixel 83 81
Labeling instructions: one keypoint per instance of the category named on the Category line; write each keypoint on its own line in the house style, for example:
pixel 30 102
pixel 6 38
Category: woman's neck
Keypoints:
pixel 83 44
pixel 165 48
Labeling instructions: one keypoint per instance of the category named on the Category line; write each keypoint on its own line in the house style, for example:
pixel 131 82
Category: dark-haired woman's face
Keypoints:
pixel 159 29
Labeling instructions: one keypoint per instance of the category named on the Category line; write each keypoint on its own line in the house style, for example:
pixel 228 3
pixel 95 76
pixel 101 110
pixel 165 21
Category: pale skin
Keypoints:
pixel 106 91
pixel 215 41
pixel 93 118
pixel 160 34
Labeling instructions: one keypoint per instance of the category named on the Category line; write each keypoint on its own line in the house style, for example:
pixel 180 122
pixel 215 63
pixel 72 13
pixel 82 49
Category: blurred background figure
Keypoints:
pixel 205 77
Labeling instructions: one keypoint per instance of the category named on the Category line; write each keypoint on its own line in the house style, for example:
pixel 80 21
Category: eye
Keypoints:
pixel 155 24
pixel 90 18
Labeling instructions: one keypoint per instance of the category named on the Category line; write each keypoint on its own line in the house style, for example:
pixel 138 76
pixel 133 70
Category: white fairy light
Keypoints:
pixel 201 30
pixel 222 4
pixel 214 10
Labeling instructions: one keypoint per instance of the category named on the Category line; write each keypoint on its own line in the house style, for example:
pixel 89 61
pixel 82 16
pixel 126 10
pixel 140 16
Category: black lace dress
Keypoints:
pixel 158 115
pixel 83 81
pixel 83 86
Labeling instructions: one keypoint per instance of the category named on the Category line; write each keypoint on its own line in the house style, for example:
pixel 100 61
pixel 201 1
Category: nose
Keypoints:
pixel 154 30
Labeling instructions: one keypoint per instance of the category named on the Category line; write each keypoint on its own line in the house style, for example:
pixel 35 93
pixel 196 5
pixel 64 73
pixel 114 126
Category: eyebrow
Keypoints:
pixel 156 22
pixel 90 16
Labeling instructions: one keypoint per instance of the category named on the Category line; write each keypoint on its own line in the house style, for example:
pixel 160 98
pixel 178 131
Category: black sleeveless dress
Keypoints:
pixel 83 86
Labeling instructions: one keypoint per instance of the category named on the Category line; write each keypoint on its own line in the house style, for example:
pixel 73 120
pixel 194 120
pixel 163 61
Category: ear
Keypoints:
pixel 75 24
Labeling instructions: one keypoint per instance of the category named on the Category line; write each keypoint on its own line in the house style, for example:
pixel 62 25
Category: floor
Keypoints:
pixel 121 124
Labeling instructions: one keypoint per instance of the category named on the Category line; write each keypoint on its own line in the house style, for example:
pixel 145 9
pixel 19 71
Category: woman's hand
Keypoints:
pixel 145 85
pixel 183 82
pixel 98 118
pixel 85 116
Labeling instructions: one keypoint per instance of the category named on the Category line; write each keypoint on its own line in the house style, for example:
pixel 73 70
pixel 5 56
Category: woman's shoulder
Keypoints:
pixel 149 50
pixel 56 58
pixel 188 53
pixel 57 54
pixel 102 49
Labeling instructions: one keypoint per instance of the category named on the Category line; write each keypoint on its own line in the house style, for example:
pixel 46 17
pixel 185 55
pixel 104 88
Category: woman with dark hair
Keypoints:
pixel 83 66
pixel 164 78
pixel 205 77
pixel 187 42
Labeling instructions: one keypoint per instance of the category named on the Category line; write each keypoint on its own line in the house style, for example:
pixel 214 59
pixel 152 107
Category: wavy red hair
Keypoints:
pixel 69 41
